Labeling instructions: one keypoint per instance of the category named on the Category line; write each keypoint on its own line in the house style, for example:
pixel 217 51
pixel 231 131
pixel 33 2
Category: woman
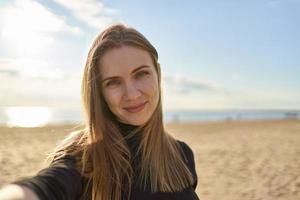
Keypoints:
pixel 124 151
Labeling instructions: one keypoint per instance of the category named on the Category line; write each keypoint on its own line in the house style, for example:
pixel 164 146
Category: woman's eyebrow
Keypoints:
pixel 135 70
pixel 140 67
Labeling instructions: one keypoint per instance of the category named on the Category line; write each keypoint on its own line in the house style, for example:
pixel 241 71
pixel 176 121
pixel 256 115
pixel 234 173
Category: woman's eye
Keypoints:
pixel 141 74
pixel 112 83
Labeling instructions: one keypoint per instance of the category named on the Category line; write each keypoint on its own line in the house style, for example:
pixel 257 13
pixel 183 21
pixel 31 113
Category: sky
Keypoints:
pixel 214 55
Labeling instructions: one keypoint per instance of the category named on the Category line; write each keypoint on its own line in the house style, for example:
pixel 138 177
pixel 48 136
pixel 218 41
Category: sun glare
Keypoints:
pixel 27 28
pixel 28 116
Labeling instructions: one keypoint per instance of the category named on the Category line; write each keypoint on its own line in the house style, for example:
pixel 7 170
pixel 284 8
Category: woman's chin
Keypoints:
pixel 135 122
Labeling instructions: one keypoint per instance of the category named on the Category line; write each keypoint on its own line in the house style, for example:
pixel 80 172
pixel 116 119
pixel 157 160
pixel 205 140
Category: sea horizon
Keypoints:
pixel 35 116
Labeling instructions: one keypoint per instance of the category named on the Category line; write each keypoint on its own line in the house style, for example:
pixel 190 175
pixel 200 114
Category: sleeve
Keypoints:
pixel 61 180
pixel 190 161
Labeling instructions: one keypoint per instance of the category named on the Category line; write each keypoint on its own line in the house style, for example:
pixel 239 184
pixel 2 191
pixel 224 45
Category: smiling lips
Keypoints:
pixel 134 109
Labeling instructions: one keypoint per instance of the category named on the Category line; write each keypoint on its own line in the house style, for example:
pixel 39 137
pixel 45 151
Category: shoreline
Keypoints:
pixel 81 124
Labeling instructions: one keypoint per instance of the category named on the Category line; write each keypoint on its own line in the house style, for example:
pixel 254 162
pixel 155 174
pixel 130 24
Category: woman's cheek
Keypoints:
pixel 113 97
pixel 150 86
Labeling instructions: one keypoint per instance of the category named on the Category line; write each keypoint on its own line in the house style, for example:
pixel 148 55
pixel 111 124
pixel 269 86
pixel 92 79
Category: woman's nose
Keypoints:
pixel 131 91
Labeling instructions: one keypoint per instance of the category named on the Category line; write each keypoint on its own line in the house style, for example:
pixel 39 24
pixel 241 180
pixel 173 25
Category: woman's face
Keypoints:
pixel 130 84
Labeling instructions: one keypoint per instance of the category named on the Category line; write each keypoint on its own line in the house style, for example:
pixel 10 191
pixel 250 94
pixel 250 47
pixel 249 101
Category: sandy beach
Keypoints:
pixel 257 160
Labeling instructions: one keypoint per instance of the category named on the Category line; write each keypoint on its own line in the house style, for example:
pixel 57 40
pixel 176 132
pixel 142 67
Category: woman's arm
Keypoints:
pixel 60 180
pixel 16 192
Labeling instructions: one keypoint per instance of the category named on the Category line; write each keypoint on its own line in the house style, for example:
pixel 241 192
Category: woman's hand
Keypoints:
pixel 16 192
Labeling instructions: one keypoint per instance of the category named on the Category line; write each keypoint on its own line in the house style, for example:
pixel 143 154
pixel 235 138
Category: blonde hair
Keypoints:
pixel 100 149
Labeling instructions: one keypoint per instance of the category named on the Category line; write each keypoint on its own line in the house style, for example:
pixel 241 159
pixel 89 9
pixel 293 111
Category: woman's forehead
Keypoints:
pixel 124 59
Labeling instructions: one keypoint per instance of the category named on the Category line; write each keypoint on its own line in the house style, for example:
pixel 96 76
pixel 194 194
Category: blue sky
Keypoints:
pixel 213 54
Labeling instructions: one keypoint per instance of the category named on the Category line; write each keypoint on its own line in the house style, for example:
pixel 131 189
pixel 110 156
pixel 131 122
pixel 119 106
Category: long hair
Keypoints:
pixel 100 149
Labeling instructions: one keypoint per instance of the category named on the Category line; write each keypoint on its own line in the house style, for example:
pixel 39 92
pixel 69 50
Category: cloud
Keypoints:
pixel 37 84
pixel 92 12
pixel 27 28
pixel 7 69
pixel 33 16
pixel 28 33
pixel 37 92
pixel 29 69
pixel 181 92
pixel 180 84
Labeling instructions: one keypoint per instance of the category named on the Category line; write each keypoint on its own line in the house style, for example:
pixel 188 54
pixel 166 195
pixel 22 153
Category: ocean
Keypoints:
pixel 40 116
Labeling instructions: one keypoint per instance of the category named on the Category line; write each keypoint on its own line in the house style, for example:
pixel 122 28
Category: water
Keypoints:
pixel 188 116
pixel 39 116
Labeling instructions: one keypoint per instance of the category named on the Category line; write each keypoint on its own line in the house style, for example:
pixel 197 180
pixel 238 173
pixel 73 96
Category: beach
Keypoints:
pixel 249 160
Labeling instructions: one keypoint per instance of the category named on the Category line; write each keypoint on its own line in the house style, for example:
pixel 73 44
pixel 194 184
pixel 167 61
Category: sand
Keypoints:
pixel 235 160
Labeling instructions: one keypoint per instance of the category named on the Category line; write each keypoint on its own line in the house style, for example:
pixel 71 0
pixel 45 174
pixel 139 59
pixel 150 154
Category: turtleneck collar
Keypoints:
pixel 126 128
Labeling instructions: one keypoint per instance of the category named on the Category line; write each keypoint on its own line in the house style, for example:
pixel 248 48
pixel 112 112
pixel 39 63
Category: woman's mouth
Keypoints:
pixel 137 108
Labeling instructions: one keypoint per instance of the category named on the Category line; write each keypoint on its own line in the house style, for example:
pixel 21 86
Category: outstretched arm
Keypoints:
pixel 60 180
pixel 16 192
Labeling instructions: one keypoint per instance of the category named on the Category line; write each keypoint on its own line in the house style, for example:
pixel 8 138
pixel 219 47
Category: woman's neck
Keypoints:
pixel 126 128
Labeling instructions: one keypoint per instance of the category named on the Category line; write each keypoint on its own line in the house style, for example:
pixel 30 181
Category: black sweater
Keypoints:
pixel 59 182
